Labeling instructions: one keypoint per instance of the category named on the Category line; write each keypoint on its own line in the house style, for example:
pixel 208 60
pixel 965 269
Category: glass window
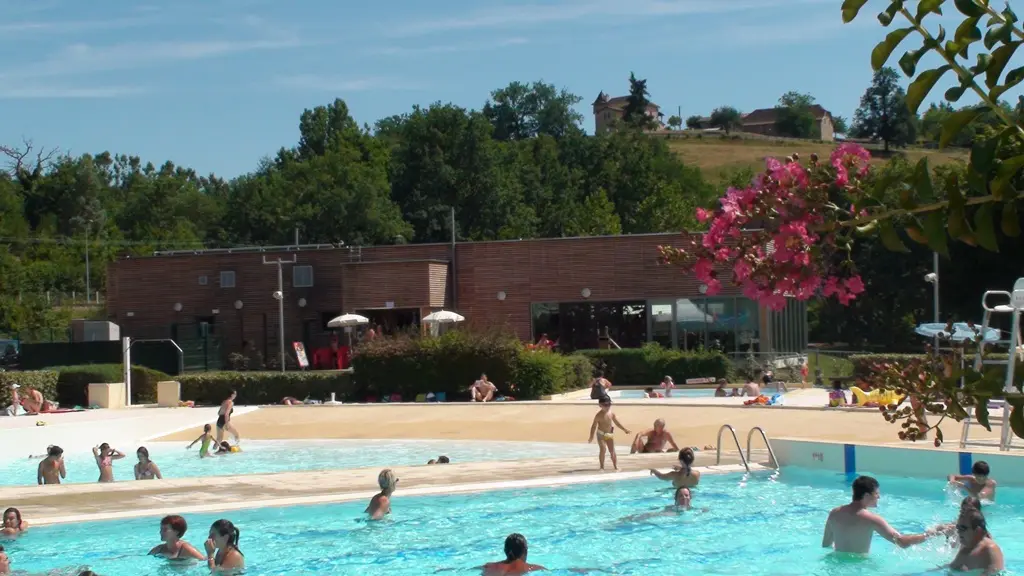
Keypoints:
pixel 748 322
pixel 721 323
pixel 227 279
pixel 545 320
pixel 691 322
pixel 661 324
pixel 302 276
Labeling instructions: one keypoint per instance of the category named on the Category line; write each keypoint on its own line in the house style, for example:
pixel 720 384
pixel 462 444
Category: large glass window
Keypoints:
pixel 545 320
pixel 748 324
pixel 661 324
pixel 691 323
pixel 582 325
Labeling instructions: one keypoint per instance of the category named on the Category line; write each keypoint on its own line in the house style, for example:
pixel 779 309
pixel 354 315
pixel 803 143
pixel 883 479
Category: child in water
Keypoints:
pixel 604 427
pixel 207 438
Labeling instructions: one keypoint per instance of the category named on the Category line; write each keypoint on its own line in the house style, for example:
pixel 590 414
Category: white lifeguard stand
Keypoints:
pixel 999 411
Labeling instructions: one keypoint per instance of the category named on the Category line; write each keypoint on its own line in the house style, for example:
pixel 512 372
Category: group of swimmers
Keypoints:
pixel 850 528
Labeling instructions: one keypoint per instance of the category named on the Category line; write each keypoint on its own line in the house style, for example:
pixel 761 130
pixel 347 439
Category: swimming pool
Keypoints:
pixel 266 456
pixel 756 526
pixel 676 393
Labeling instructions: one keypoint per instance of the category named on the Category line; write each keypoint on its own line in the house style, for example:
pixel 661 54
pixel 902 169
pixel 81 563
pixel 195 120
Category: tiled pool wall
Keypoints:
pixel 1007 467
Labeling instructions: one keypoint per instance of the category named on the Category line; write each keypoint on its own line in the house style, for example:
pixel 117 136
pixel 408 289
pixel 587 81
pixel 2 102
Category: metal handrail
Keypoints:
pixel 984 299
pixel 771 453
pixel 718 459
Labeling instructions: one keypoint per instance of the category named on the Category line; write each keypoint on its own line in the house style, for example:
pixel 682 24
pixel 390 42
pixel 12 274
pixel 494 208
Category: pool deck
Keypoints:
pixel 93 502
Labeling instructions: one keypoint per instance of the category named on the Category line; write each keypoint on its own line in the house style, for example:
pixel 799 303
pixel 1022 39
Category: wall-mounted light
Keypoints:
pixel 703 288
pixel 585 292
pixel 216 311
pixel 302 302
pixel 238 304
pixel 502 295
pixel 177 306
pixel 130 314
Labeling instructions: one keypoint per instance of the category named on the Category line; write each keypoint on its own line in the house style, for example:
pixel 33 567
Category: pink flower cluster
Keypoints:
pixel 773 236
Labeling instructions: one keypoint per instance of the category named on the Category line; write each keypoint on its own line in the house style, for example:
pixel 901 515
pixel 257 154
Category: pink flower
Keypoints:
pixel 702 215
pixel 854 284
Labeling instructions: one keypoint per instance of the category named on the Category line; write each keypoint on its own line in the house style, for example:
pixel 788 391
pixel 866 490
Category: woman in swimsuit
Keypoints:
pixel 684 476
pixel 105 456
pixel 206 438
pixel 227 408
pixel 172 529
pixel 380 504
pixel 222 553
pixel 13 524
pixel 146 469
pixel 51 468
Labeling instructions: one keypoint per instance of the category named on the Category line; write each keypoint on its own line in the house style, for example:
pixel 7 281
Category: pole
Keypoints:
pixel 455 266
pixel 88 288
pixel 280 302
pixel 126 359
pixel 935 270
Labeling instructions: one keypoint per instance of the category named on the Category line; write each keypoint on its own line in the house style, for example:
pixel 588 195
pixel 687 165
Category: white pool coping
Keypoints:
pixel 543 482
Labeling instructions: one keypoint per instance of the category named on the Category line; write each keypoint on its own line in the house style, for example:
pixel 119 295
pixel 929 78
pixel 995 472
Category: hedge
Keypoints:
pixel 410 366
pixel 73 382
pixel 649 365
pixel 43 380
pixel 265 387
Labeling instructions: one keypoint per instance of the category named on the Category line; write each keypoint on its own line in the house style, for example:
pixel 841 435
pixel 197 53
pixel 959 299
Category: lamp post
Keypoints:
pixel 279 296
pixel 933 279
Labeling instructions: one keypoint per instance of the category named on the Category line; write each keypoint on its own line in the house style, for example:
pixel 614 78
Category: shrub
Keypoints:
pixel 73 382
pixel 863 363
pixel 264 387
pixel 411 366
pixel 43 380
pixel 648 365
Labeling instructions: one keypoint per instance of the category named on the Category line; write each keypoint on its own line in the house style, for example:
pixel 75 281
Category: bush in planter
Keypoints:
pixel 540 373
pixel 43 380
pixel 648 365
pixel 265 387
pixel 73 382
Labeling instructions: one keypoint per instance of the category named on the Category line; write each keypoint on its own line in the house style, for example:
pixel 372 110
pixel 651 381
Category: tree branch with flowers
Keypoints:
pixel 789 234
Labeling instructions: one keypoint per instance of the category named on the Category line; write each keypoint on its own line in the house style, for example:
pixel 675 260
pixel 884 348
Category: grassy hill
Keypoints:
pixel 718 155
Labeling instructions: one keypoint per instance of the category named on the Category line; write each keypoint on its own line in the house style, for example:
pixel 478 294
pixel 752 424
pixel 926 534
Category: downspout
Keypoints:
pixel 455 266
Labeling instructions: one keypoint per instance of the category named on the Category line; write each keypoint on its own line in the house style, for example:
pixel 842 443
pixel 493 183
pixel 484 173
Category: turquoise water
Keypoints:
pixel 677 393
pixel 756 526
pixel 284 456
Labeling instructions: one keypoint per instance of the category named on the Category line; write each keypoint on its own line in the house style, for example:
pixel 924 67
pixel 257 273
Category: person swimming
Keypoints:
pixel 850 527
pixel 222 553
pixel 604 428
pixel 380 504
pixel 51 468
pixel 977 483
pixel 13 523
pixel 978 550
pixel 146 469
pixel 684 476
pixel 682 501
pixel 206 438
pixel 172 529
pixel 105 456
pixel 516 550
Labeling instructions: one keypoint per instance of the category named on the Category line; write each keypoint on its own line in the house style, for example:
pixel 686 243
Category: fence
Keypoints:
pixel 822 365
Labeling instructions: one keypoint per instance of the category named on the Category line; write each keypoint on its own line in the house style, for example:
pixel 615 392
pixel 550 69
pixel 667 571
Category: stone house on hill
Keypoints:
pixel 607 110
pixel 762 121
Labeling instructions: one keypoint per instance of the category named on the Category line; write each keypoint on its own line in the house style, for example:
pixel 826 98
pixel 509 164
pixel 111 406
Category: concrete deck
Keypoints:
pixel 91 502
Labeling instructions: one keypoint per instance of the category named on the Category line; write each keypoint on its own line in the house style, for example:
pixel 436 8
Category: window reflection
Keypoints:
pixel 661 324
pixel 590 325
pixel 691 322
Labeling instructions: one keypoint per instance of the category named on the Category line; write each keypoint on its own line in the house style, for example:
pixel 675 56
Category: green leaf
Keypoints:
pixel 954 94
pixel 956 122
pixel 880 55
pixel 926 6
pixel 886 17
pixel 923 180
pixel 935 231
pixel 983 153
pixel 922 85
pixel 1017 421
pixel 969 8
pixel 968 31
pixel 890 238
pixel 983 61
pixel 1002 185
pixel 1013 77
pixel 985 228
pixel 997 34
pixel 981 413
pixel 908 62
pixel 1011 219
pixel 1009 15
pixel 1000 58
pixel 851 8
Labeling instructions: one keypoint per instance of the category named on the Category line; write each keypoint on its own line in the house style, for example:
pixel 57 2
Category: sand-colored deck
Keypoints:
pixel 691 425
pixel 90 502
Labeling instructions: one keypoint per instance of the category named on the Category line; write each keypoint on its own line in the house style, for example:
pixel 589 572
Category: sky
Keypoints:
pixel 218 84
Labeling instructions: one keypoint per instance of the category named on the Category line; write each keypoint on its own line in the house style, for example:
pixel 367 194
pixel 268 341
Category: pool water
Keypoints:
pixel 676 393
pixel 754 526
pixel 268 456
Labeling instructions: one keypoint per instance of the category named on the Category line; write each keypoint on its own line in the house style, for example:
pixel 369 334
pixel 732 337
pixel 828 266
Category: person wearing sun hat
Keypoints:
pixel 15 408
pixel 380 504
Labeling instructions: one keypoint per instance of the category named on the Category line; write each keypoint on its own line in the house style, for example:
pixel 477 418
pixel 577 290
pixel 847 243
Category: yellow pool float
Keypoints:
pixel 880 397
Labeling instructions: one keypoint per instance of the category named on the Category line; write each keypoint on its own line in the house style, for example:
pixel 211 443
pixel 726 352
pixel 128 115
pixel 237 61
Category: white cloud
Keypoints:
pixel 449 48
pixel 55 92
pixel 319 83
pixel 68 26
pixel 783 31
pixel 522 15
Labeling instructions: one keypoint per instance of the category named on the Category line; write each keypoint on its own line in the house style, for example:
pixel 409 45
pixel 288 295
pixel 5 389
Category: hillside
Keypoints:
pixel 718 155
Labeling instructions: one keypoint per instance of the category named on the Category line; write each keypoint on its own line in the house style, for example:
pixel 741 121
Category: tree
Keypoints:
pixel 636 113
pixel 520 111
pixel 883 113
pixel 675 122
pixel 794 117
pixel 727 118
pixel 840 125
pixel 693 122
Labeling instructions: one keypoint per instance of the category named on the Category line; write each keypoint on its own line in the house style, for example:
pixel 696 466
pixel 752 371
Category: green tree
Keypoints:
pixel 883 113
pixel 520 111
pixel 840 125
pixel 693 122
pixel 675 122
pixel 636 112
pixel 794 118
pixel 727 118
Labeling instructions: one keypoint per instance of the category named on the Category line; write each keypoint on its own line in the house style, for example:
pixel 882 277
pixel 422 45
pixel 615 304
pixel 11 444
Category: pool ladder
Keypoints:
pixel 750 436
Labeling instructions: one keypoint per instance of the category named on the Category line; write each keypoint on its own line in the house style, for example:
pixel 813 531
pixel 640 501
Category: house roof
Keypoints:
pixel 616 103
pixel 770 115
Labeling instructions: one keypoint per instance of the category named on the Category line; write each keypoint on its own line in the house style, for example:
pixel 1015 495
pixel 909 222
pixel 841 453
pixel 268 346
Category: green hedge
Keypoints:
pixel 73 382
pixel 647 366
pixel 265 387
pixel 43 380
pixel 862 363
pixel 451 363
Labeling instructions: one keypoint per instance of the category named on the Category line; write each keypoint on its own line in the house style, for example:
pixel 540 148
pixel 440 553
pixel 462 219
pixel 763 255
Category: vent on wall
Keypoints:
pixel 203 280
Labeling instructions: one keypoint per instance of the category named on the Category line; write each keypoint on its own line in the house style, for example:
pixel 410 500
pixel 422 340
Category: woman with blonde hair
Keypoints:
pixel 380 504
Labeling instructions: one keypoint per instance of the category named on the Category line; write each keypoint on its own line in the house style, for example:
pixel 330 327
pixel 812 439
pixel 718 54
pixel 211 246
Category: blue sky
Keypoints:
pixel 217 84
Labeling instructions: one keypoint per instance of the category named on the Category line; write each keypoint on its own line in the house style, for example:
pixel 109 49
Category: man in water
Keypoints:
pixel 653 440
pixel 5 562
pixel 849 528
pixel 978 551
pixel 977 483
pixel 515 559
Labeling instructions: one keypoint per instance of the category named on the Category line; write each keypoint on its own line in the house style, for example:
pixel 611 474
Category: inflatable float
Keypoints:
pixel 875 397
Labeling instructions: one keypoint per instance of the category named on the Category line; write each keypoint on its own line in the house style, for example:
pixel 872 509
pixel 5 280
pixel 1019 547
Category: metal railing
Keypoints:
pixel 771 453
pixel 718 458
